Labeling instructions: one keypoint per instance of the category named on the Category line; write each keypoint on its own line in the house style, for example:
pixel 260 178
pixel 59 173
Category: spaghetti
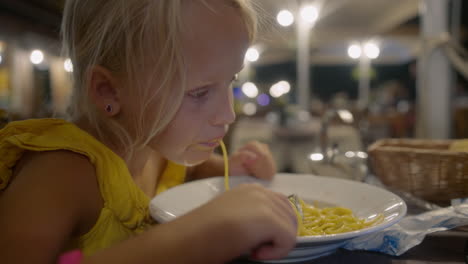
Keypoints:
pixel 226 165
pixel 330 220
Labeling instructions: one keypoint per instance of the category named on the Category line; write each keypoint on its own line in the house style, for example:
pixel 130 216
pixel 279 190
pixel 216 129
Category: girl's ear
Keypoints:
pixel 104 90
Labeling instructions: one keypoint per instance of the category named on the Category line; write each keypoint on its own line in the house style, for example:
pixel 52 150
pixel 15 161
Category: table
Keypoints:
pixel 443 247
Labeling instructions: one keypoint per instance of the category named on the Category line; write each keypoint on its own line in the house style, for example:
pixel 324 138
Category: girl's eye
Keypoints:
pixel 198 93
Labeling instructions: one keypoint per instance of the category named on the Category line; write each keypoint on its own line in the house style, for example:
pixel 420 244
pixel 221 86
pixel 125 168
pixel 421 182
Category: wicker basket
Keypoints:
pixel 424 168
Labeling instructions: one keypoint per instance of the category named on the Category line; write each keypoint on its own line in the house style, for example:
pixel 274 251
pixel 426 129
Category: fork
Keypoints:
pixel 294 199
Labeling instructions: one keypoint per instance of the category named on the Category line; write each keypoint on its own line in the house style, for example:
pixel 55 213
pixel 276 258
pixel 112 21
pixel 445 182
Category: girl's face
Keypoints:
pixel 214 45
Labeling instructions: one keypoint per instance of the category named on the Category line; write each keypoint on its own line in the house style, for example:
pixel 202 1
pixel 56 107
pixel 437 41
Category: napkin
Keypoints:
pixel 411 230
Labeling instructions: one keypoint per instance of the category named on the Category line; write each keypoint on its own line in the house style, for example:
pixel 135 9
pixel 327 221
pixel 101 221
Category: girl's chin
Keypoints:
pixel 193 160
pixel 192 163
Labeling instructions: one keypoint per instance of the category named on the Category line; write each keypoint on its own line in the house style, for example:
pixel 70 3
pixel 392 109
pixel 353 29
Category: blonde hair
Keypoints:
pixel 135 38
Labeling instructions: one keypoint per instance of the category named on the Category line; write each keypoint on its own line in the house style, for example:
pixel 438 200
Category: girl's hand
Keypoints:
pixel 249 219
pixel 253 159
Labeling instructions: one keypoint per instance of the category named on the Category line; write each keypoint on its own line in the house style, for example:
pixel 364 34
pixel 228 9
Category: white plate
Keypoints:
pixel 365 200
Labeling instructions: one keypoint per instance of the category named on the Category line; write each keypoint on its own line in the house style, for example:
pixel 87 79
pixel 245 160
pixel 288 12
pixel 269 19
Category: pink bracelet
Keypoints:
pixel 72 257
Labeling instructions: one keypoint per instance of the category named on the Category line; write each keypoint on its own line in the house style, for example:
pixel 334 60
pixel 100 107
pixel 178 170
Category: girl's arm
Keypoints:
pixel 248 219
pixel 55 197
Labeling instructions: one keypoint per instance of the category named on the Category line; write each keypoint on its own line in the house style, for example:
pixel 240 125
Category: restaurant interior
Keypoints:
pixel 374 91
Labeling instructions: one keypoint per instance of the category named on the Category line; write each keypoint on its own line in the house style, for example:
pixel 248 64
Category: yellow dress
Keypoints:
pixel 125 210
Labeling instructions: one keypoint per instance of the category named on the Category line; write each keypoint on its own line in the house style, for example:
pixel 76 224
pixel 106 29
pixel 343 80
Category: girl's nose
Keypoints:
pixel 225 114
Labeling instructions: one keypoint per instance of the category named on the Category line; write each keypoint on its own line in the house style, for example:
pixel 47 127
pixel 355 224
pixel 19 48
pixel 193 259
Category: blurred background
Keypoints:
pixel 323 81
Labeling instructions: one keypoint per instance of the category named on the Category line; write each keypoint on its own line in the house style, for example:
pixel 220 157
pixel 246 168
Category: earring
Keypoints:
pixel 109 108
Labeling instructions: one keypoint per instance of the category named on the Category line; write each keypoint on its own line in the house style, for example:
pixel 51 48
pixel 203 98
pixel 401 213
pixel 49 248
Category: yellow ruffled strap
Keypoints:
pixel 120 193
pixel 118 190
pixel 10 153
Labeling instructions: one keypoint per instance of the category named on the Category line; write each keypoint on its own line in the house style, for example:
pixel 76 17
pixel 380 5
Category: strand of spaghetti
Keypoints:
pixel 226 165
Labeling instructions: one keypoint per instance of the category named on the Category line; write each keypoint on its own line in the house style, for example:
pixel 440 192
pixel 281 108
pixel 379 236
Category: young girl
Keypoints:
pixel 151 96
